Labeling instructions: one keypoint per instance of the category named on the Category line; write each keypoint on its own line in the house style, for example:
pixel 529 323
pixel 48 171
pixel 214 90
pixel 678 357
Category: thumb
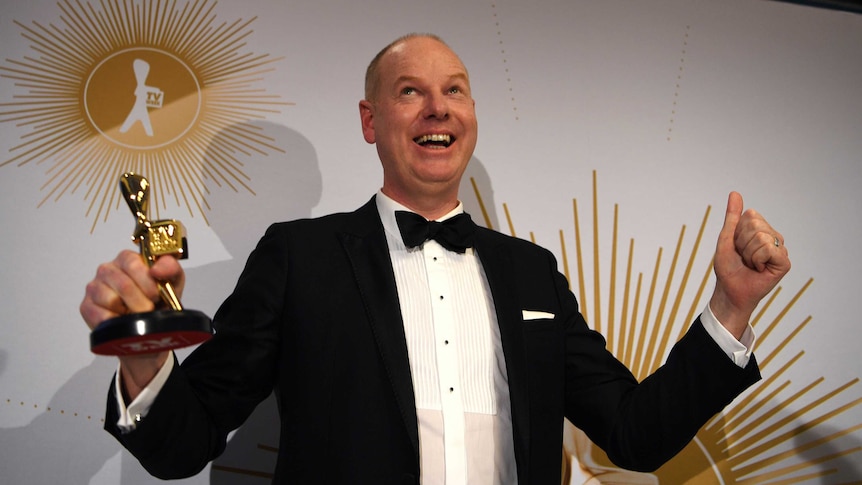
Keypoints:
pixel 168 269
pixel 731 218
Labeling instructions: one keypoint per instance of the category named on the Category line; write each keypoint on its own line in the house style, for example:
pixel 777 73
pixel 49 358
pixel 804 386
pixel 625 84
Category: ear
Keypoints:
pixel 366 116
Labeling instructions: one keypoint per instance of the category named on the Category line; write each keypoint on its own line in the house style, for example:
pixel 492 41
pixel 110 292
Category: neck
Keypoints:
pixel 429 207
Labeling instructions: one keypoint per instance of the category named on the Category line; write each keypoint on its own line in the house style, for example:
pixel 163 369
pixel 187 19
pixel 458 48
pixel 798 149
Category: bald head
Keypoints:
pixel 372 73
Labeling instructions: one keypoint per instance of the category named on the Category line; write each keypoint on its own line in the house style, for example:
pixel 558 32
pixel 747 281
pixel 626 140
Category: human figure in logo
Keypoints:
pixel 142 92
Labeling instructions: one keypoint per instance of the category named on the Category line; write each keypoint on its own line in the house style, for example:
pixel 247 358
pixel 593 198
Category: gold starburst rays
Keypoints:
pixel 148 86
pixel 775 433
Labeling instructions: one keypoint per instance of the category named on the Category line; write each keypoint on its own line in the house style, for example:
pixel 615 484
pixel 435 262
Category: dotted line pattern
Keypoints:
pixel 678 82
pixel 49 409
pixel 503 57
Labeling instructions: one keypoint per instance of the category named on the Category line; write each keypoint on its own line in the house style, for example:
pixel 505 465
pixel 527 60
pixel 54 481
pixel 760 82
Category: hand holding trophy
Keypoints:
pixel 159 330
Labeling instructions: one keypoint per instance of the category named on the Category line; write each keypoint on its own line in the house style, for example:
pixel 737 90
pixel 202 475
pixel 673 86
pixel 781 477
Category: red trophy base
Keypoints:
pixel 150 332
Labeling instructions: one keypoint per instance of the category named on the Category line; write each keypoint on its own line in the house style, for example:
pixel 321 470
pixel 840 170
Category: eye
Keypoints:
pixel 408 91
pixel 454 90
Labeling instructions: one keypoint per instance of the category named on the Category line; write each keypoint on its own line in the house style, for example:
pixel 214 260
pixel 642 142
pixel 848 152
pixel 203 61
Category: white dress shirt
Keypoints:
pixel 456 360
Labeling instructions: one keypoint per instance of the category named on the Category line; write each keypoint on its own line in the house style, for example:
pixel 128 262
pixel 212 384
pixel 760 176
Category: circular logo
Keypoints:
pixel 142 98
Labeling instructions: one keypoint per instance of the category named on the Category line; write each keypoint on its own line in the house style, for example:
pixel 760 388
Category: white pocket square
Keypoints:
pixel 535 315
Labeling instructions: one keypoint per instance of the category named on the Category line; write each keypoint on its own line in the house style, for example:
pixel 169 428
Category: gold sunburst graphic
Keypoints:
pixel 148 86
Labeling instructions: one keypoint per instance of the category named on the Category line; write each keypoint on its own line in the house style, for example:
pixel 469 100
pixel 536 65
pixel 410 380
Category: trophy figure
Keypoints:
pixel 149 332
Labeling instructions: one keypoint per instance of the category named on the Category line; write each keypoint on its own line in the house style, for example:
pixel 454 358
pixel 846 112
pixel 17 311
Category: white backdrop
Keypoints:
pixel 670 104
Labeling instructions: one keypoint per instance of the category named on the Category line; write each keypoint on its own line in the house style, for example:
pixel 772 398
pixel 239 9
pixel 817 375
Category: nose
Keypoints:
pixel 436 106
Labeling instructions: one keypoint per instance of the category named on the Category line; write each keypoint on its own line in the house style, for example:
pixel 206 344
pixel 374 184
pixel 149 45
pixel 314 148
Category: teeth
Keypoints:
pixel 434 137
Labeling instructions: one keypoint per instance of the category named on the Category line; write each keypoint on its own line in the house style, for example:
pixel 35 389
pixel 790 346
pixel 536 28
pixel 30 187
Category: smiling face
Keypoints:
pixel 420 114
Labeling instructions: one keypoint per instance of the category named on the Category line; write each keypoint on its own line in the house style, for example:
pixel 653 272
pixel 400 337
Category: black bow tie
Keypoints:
pixel 454 234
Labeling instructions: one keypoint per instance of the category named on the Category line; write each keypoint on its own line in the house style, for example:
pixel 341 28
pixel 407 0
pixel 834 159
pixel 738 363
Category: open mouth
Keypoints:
pixel 435 140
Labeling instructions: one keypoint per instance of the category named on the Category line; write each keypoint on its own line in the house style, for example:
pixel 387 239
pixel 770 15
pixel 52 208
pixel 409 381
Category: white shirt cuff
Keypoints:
pixel 132 414
pixel 739 351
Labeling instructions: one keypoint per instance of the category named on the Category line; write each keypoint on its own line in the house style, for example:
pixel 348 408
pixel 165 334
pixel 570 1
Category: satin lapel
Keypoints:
pixel 496 260
pixel 365 244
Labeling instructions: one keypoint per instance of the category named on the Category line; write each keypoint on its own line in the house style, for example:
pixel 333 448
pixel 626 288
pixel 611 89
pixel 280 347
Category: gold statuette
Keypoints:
pixel 175 327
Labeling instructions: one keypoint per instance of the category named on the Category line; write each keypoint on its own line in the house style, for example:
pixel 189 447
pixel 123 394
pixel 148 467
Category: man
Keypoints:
pixel 401 362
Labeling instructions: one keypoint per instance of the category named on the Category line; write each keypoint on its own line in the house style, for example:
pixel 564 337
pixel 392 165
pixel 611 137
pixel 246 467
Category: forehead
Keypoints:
pixel 421 57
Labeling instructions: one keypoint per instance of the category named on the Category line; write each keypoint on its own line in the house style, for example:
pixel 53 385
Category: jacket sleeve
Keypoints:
pixel 642 425
pixel 218 386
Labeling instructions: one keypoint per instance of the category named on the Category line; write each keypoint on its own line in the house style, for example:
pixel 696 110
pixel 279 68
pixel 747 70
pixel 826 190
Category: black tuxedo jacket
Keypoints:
pixel 315 316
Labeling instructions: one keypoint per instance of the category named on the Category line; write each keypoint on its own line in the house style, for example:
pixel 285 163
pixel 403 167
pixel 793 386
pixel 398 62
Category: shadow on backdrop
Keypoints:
pixel 52 442
pixel 287 185
pixel 844 452
pixel 481 207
